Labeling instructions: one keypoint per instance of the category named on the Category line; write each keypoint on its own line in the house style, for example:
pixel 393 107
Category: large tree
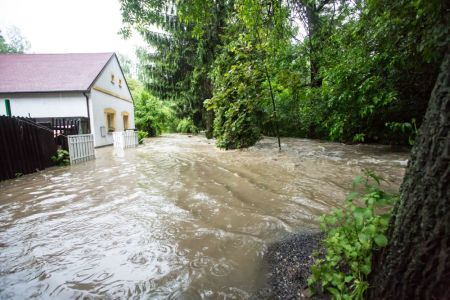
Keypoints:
pixel 14 41
pixel 416 263
pixel 181 50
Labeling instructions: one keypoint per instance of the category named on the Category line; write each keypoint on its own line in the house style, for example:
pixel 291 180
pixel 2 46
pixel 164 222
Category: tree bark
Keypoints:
pixel 312 16
pixel 416 263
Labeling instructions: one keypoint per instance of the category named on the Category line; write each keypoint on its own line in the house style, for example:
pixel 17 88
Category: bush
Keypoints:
pixel 238 90
pixel 151 114
pixel 141 136
pixel 351 234
pixel 187 126
pixel 61 158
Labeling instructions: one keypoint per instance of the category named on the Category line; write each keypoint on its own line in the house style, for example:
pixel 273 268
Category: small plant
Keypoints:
pixel 351 234
pixel 61 158
pixel 359 137
pixel 187 126
pixel 407 127
pixel 141 136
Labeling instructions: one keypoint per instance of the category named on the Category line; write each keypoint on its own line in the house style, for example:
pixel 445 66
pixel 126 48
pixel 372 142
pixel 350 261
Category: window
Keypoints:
pixel 120 83
pixel 110 119
pixel 112 78
pixel 125 120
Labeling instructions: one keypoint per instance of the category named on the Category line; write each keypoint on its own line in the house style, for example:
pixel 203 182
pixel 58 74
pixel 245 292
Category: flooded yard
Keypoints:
pixel 175 218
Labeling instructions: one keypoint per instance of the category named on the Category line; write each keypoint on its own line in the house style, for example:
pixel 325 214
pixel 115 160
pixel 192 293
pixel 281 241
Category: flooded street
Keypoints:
pixel 176 218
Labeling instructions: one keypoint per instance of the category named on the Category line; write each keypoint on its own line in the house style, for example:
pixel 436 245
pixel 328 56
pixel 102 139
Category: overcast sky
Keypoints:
pixel 64 26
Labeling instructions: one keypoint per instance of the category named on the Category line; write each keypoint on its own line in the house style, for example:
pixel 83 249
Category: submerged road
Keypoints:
pixel 175 218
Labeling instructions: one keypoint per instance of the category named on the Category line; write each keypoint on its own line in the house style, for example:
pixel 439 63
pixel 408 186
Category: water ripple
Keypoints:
pixel 173 219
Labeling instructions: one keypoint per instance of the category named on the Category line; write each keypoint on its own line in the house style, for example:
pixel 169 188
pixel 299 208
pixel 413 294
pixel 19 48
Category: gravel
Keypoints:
pixel 289 261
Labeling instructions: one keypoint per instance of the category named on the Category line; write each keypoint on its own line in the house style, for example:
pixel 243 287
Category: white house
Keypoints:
pixel 88 87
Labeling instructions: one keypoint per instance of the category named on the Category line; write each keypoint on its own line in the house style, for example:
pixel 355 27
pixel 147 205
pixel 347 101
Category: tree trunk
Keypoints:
pixel 416 263
pixel 312 16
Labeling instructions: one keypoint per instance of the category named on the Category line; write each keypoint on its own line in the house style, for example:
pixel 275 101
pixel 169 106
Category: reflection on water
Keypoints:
pixel 175 218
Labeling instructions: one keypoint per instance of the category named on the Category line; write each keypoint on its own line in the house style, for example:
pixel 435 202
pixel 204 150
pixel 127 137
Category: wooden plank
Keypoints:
pixel 6 166
pixel 26 147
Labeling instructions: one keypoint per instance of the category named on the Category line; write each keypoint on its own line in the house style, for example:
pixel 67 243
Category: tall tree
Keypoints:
pixel 311 14
pixel 416 263
pixel 127 66
pixel 14 41
pixel 176 64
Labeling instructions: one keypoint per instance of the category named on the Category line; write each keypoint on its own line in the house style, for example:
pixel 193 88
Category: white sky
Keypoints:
pixel 68 26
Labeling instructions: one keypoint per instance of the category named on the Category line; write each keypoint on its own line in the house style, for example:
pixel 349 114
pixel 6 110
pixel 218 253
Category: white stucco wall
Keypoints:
pixel 104 80
pixel 45 105
pixel 107 95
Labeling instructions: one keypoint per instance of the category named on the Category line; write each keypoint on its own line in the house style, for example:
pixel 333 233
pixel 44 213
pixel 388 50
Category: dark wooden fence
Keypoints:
pixel 24 147
pixel 65 127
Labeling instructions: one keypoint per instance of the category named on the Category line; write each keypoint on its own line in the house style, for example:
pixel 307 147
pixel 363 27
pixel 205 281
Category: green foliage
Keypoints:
pixel 152 115
pixel 177 66
pixel 349 72
pixel 4 46
pixel 61 158
pixel 128 68
pixel 365 63
pixel 141 136
pixel 187 126
pixel 409 128
pixel 15 42
pixel 238 89
pixel 351 235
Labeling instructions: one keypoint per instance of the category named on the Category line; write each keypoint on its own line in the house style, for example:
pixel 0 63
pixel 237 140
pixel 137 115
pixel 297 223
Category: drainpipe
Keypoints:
pixel 8 107
pixel 88 113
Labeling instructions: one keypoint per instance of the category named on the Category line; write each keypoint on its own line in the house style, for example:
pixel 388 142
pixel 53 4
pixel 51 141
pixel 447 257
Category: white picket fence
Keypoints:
pixel 81 148
pixel 125 139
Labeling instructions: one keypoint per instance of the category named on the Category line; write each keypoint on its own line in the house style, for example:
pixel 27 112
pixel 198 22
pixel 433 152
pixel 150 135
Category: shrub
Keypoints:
pixel 141 136
pixel 238 79
pixel 187 126
pixel 351 234
pixel 151 114
pixel 61 158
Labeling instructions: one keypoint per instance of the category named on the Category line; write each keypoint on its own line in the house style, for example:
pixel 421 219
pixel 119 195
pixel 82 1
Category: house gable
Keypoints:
pixel 111 103
pixel 111 81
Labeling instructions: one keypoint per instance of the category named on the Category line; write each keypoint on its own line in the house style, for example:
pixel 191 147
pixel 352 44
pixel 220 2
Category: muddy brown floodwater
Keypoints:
pixel 175 218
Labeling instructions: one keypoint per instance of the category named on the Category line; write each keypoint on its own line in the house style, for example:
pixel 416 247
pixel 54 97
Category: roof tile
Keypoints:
pixel 20 73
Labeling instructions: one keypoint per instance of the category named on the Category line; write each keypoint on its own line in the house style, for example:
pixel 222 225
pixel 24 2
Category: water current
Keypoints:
pixel 175 218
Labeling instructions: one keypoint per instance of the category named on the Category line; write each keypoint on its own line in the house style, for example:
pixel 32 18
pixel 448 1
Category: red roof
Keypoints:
pixel 50 72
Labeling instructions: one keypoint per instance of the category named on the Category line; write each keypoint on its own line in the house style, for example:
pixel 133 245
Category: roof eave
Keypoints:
pixel 44 92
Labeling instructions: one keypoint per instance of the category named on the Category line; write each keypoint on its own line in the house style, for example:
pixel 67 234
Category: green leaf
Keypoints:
pixel 334 292
pixel 363 238
pixel 331 220
pixel 352 196
pixel 357 181
pixel 384 219
pixel 381 240
pixel 366 269
pixel 359 213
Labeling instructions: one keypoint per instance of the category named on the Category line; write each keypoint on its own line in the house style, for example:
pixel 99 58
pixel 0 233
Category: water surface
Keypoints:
pixel 175 218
